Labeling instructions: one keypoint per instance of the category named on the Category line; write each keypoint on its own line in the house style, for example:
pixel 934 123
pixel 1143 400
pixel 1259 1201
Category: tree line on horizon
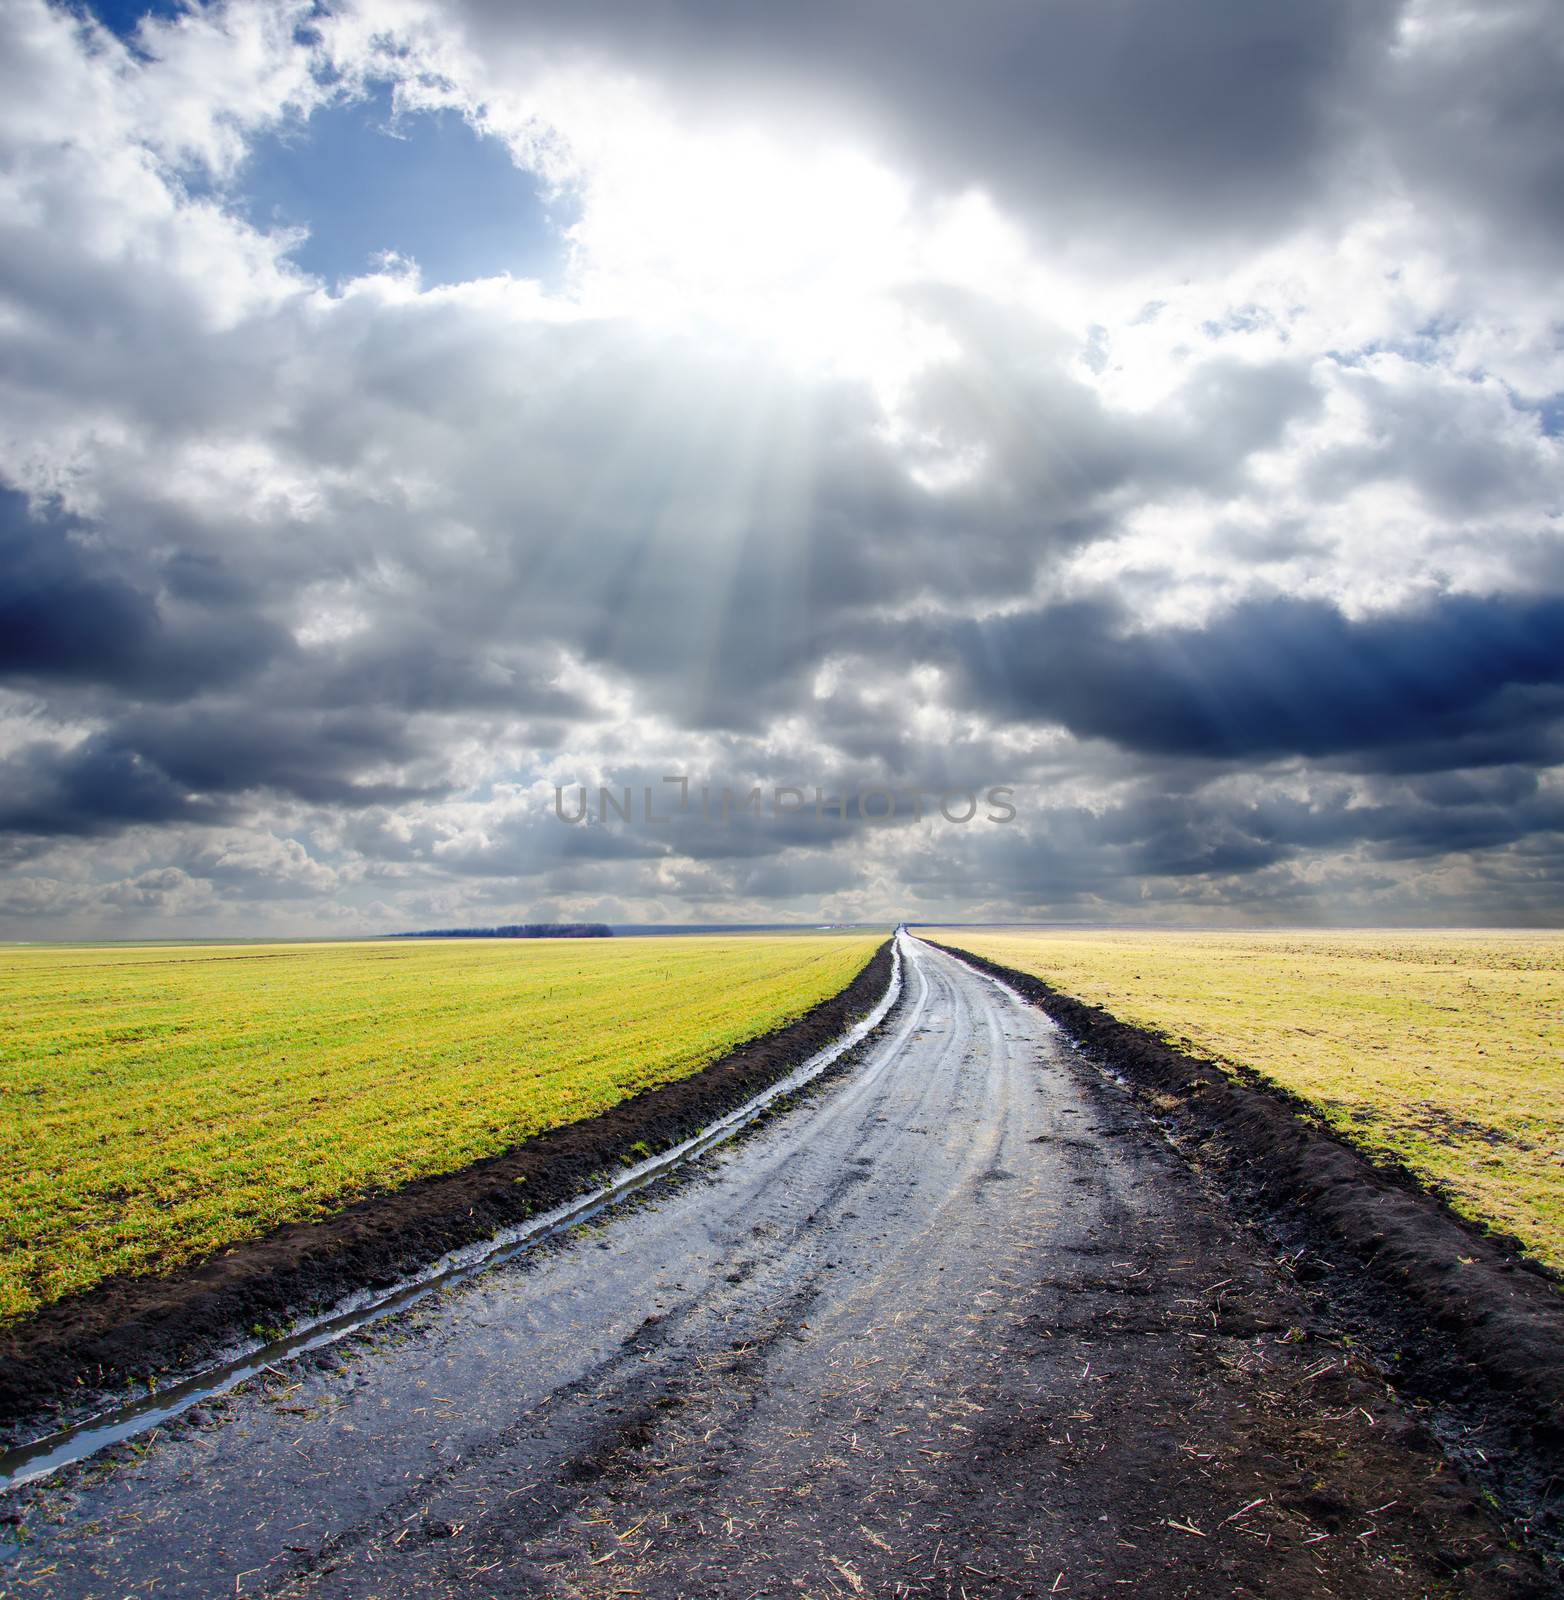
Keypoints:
pixel 518 930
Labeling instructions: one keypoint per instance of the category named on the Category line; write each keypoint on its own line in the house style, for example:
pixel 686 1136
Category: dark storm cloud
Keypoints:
pixel 97 787
pixel 1275 678
pixel 66 614
pixel 1160 845
pixel 173 675
pixel 323 758
pixel 1200 833
pixel 190 765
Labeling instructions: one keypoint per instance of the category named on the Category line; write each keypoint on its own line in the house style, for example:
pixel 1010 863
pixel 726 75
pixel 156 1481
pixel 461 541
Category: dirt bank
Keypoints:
pixel 1458 1320
pixel 133 1327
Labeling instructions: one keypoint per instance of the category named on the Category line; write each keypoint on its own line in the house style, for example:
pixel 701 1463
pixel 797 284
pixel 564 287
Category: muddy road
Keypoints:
pixel 958 1323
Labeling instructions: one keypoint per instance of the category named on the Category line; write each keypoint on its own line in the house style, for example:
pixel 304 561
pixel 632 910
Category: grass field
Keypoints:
pixel 161 1102
pixel 1445 1050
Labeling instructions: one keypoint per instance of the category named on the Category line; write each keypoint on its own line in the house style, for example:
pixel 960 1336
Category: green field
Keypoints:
pixel 1445 1050
pixel 161 1102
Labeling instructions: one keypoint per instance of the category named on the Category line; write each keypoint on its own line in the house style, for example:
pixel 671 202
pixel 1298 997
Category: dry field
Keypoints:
pixel 1444 1050
pixel 162 1102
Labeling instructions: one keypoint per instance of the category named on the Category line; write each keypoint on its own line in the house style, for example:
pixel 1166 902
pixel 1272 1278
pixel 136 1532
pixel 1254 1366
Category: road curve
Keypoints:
pixel 959 1323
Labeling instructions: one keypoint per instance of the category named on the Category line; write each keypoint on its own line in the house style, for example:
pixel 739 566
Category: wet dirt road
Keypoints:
pixel 959 1323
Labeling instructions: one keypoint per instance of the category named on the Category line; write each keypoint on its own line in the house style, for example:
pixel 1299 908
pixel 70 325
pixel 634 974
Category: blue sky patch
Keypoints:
pixel 1550 413
pixel 424 185
pixel 121 16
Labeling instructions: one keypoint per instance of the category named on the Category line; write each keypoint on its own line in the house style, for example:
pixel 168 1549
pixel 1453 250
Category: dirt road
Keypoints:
pixel 959 1323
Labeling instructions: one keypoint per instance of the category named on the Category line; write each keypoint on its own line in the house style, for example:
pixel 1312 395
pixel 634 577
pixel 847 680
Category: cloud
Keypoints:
pixel 1277 678
pixel 1151 407
pixel 1470 116
pixel 66 615
pixel 96 787
pixel 1460 444
pixel 1097 123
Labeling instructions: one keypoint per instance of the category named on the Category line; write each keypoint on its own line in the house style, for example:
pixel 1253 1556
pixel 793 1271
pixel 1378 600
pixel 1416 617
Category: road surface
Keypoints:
pixel 959 1323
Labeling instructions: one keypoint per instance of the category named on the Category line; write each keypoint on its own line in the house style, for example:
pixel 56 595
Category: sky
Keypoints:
pixel 415 413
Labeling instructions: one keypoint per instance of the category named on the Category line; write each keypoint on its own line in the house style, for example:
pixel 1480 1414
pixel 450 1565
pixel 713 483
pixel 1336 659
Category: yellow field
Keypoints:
pixel 1444 1049
pixel 162 1102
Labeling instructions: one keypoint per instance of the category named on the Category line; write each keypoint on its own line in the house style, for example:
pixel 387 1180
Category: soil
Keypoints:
pixel 131 1328
pixel 1459 1320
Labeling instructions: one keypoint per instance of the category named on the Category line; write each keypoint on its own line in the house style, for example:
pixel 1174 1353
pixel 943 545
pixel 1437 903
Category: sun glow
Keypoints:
pixel 808 246
pixel 802 251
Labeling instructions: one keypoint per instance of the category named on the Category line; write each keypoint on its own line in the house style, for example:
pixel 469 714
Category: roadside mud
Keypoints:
pixel 127 1330
pixel 1458 1320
